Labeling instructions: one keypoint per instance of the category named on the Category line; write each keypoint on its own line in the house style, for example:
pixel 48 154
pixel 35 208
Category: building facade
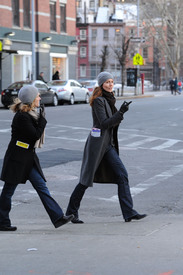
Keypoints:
pixel 55 33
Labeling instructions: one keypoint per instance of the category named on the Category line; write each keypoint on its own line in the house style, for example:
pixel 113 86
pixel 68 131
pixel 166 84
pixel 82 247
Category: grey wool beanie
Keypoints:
pixel 27 94
pixel 103 77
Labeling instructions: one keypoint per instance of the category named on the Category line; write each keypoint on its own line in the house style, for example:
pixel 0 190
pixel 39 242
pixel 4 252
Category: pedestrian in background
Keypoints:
pixel 56 76
pixel 21 162
pixel 172 85
pixel 101 162
pixel 180 87
pixel 176 86
pixel 40 77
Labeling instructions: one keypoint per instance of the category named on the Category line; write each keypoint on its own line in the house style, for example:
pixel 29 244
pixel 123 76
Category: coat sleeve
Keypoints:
pixel 104 120
pixel 31 130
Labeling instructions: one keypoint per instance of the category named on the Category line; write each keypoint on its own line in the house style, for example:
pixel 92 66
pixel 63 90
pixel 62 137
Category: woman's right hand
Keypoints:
pixel 124 107
pixel 42 110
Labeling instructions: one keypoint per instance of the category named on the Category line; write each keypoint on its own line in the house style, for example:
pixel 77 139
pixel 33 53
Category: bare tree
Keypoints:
pixel 165 20
pixel 103 56
pixel 122 54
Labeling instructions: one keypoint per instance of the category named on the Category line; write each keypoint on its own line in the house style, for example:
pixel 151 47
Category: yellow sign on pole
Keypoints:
pixel 138 59
pixel 1 46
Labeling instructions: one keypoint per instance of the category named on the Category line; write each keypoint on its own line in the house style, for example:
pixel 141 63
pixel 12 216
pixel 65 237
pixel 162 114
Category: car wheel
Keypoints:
pixel 87 99
pixel 55 100
pixel 72 99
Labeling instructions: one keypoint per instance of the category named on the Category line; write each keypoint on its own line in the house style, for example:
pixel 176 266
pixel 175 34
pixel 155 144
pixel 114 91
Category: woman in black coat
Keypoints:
pixel 101 162
pixel 21 162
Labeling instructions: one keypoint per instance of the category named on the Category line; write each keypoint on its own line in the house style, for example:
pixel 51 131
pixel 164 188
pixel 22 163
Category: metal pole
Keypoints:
pixel 33 75
pixel 138 71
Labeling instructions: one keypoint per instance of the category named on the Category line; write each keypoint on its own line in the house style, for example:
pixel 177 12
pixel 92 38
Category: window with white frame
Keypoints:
pixel 145 52
pixel 15 11
pixel 63 18
pixel 131 32
pixel 92 4
pixel 94 34
pixel 82 70
pixel 52 15
pixel 117 32
pixel 26 5
pixel 82 33
pixel 79 4
pixel 82 51
pixel 106 34
pixel 93 51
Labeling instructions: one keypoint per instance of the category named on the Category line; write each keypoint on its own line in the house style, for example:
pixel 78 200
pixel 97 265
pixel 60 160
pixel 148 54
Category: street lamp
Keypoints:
pixel 47 38
pixel 9 34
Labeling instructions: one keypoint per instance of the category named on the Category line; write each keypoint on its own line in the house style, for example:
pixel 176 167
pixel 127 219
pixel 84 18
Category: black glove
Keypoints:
pixel 124 107
pixel 42 110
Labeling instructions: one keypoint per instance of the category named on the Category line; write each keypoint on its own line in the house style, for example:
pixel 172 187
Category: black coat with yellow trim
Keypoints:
pixel 94 168
pixel 18 161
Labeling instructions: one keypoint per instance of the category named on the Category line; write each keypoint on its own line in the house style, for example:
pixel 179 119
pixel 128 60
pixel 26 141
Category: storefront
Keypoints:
pixel 59 62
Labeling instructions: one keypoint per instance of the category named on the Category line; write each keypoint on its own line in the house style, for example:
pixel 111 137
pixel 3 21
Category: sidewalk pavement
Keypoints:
pixel 152 246
pixel 148 93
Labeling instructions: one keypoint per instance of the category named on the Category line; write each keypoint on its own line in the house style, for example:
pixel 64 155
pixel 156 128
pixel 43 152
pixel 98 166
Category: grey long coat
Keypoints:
pixel 94 168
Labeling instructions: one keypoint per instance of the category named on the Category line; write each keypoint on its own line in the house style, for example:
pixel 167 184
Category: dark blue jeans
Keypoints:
pixel 121 179
pixel 51 206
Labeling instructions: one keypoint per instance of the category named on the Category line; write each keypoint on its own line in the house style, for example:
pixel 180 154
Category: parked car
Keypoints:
pixel 90 84
pixel 48 96
pixel 69 91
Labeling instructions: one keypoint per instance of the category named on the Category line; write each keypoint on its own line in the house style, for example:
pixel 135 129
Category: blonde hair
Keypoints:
pixel 96 93
pixel 19 106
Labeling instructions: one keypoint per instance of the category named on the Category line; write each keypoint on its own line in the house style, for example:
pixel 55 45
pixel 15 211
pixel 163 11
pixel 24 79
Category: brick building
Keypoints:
pixel 55 33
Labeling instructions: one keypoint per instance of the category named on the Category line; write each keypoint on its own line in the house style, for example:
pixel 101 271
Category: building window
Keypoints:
pixel 79 4
pixel 15 10
pixel 93 70
pixel 94 34
pixel 92 4
pixel 53 16
pixel 93 53
pixel 63 18
pixel 131 32
pixel 82 51
pixel 26 5
pixel 145 52
pixel 82 70
pixel 82 33
pixel 117 32
pixel 105 34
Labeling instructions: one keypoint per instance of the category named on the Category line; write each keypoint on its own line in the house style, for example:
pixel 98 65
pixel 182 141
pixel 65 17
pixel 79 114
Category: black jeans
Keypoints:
pixel 121 179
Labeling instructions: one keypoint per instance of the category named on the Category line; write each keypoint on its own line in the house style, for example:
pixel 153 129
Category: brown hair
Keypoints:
pixel 96 93
pixel 19 106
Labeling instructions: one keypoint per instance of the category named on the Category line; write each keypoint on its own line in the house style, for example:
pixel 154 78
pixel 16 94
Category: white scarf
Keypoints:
pixel 40 141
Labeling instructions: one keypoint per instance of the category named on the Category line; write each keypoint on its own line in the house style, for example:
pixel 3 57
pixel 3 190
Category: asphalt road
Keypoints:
pixel 151 147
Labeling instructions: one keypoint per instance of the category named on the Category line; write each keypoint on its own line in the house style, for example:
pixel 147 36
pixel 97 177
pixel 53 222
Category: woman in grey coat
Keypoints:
pixel 101 162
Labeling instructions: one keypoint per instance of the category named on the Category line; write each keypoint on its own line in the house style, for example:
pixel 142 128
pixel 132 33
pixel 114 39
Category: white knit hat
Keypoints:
pixel 27 94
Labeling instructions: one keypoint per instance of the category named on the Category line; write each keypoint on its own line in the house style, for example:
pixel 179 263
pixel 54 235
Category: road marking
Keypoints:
pixel 67 138
pixel 5 130
pixel 165 145
pixel 141 187
pixel 140 142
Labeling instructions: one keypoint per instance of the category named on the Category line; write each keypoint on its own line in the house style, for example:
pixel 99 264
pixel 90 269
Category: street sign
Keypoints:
pixel 138 59
pixel 137 39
